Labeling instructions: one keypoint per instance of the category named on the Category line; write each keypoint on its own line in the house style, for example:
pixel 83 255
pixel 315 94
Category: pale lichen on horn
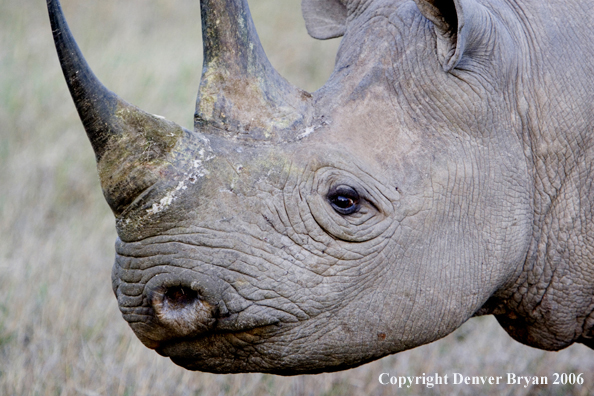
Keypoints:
pixel 241 94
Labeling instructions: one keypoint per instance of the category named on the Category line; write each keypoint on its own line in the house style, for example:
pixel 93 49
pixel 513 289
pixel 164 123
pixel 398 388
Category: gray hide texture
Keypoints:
pixel 444 171
pixel 324 19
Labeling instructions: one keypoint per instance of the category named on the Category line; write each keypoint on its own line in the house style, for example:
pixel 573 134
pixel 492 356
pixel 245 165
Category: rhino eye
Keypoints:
pixel 344 200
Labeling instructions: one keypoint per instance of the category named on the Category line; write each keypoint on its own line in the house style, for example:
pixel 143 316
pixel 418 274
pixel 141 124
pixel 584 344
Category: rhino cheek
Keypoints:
pixel 464 225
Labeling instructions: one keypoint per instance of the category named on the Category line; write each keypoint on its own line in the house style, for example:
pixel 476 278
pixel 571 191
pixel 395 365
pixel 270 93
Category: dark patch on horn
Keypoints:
pixel 95 103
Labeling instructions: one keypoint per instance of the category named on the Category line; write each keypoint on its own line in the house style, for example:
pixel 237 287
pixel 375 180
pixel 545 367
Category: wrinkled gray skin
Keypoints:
pixel 465 127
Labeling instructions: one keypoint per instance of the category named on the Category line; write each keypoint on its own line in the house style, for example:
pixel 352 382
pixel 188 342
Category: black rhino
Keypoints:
pixel 444 171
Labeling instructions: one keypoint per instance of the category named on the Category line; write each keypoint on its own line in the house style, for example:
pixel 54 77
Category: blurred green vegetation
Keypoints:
pixel 60 329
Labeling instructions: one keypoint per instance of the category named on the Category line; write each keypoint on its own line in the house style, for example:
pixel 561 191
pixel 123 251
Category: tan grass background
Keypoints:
pixel 60 329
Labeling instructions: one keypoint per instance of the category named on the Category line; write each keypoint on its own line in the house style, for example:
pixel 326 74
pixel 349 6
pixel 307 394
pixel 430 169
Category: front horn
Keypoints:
pixel 241 95
pixel 131 146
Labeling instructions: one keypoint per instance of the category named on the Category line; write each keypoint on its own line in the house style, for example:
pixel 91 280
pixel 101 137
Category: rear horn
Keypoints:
pixel 240 92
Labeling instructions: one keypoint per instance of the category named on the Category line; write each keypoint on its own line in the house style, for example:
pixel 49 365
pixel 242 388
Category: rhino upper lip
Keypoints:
pixel 218 317
pixel 224 326
pixel 232 323
pixel 220 323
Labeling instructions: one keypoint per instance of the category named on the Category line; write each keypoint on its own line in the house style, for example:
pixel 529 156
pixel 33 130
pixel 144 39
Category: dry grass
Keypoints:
pixel 60 329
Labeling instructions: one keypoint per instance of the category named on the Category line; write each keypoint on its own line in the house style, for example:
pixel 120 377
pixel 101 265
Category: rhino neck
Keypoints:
pixel 551 302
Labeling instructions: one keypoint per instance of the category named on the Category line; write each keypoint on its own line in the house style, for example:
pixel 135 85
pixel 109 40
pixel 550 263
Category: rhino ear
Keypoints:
pixel 456 23
pixel 324 19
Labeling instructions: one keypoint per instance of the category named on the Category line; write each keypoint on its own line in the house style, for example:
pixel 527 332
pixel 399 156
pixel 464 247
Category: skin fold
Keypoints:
pixel 443 172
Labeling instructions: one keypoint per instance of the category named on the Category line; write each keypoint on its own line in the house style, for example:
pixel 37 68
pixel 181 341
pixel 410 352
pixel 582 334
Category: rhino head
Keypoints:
pixel 297 233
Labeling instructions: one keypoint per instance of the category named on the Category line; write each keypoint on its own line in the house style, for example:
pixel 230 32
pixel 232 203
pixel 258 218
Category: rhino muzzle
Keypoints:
pixel 184 306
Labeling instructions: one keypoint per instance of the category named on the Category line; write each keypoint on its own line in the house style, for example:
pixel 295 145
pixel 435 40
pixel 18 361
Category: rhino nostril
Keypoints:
pixel 180 310
pixel 179 297
pixel 182 307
